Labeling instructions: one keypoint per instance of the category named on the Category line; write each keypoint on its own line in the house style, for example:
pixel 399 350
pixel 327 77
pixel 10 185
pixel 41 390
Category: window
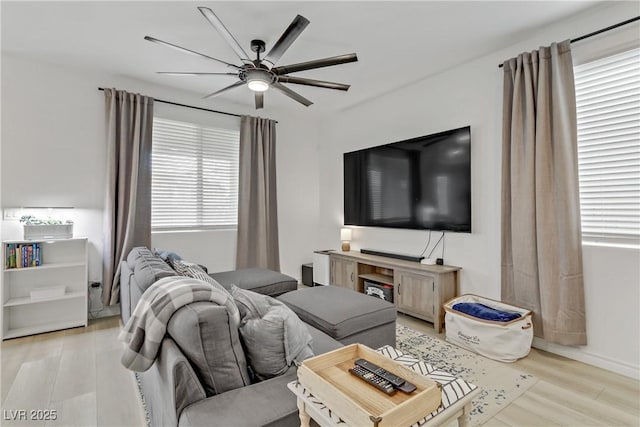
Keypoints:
pixel 608 109
pixel 195 176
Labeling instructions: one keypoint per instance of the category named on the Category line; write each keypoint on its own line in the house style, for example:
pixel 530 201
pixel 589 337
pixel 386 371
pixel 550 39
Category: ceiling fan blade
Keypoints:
pixel 259 100
pixel 291 94
pixel 286 39
pixel 226 35
pixel 318 63
pixel 181 73
pixel 311 82
pixel 182 49
pixel 236 84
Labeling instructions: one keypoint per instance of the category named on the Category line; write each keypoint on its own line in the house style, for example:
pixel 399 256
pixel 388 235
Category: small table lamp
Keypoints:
pixel 345 236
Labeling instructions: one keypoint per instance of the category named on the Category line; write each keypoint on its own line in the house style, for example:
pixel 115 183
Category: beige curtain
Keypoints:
pixel 129 123
pixel 541 240
pixel 257 244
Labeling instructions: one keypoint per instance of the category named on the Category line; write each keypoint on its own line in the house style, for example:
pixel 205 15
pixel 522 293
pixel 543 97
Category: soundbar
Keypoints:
pixel 392 255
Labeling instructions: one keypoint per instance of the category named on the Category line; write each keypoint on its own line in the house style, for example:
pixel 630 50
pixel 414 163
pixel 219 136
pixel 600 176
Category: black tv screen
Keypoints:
pixel 421 183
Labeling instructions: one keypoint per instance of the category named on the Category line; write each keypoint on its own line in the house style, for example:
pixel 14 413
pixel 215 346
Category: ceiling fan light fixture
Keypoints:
pixel 258 85
pixel 258 80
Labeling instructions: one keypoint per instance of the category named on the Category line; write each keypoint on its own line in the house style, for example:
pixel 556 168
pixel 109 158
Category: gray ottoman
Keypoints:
pixel 347 316
pixel 260 280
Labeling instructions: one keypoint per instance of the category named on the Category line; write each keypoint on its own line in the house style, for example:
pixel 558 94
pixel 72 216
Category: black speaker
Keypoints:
pixel 392 255
pixel 307 274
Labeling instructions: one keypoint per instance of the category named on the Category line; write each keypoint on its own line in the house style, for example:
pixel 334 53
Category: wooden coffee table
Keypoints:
pixel 456 396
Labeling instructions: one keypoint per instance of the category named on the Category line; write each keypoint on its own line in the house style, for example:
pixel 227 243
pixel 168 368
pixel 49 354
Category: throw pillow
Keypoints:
pixel 189 269
pixel 273 335
pixel 167 256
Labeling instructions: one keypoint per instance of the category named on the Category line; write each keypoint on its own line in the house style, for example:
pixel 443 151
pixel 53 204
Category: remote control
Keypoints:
pixel 373 379
pixel 396 381
pixel 393 379
pixel 406 387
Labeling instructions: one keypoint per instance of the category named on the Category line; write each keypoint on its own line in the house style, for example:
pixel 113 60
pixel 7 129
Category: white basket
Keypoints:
pixel 48 231
pixel 502 341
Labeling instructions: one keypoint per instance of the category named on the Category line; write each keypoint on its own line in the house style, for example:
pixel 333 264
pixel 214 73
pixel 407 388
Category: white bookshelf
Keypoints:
pixel 64 263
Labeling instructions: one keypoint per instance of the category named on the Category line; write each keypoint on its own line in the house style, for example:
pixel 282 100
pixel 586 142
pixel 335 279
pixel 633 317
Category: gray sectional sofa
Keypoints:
pixel 201 376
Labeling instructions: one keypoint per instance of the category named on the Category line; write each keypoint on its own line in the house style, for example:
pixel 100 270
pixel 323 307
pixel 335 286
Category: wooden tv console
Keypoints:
pixel 419 290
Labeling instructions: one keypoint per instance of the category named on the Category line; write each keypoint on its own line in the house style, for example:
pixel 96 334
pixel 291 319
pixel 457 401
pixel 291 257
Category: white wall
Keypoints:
pixel 297 180
pixel 53 154
pixel 470 94
pixel 611 279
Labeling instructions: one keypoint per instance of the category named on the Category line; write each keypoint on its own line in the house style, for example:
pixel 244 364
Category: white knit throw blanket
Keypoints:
pixel 145 330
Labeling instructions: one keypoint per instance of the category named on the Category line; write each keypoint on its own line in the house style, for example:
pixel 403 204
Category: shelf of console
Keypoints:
pixel 385 279
pixel 391 263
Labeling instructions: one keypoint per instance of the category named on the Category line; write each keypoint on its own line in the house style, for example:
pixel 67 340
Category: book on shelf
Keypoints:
pixel 19 255
pixel 10 252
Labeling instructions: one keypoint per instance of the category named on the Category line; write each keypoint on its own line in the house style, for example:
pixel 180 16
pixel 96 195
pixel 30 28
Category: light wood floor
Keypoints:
pixel 78 373
pixel 568 393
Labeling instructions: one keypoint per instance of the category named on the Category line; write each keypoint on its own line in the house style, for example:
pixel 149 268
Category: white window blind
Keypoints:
pixel 194 176
pixel 608 109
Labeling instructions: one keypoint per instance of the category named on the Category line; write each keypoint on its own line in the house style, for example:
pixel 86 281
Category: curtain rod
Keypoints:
pixel 191 106
pixel 595 33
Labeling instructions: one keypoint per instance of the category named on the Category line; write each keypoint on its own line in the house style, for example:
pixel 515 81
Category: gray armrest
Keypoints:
pixel 170 385
pixel 125 292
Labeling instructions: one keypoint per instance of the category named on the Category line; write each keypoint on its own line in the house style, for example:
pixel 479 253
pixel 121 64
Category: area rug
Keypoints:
pixel 500 384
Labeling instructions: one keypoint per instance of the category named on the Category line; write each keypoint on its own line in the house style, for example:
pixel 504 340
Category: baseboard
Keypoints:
pixel 613 365
pixel 108 311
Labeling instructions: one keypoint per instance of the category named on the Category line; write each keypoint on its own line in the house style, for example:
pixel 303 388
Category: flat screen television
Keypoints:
pixel 422 183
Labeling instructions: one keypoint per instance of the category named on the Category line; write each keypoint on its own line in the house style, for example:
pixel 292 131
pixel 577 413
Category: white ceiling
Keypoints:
pixel 396 42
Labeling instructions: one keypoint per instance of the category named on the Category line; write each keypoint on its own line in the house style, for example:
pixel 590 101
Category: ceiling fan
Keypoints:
pixel 260 74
